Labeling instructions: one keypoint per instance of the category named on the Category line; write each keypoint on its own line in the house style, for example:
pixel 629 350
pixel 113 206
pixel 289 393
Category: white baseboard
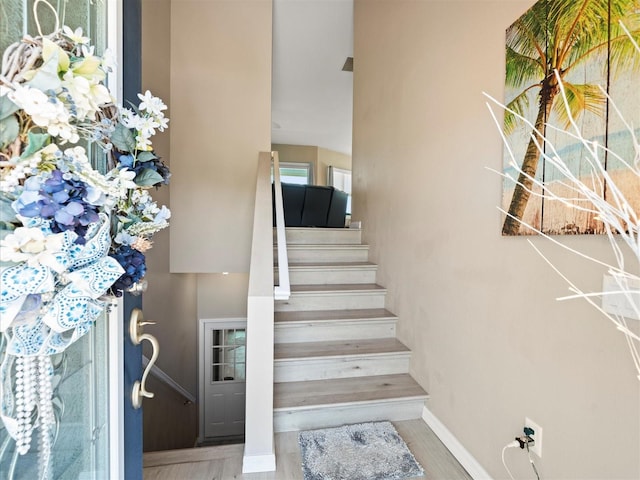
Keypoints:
pixel 468 462
pixel 259 463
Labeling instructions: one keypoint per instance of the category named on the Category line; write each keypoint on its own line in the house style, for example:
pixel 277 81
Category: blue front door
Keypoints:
pixel 132 83
pixel 132 416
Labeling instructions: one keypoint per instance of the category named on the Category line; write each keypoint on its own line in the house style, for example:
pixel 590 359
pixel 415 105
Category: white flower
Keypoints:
pixel 109 62
pixel 162 122
pixel 65 131
pixel 151 104
pixel 90 66
pixel 9 182
pixel 10 177
pixel 30 245
pixel 126 176
pixel 88 51
pixel 51 51
pixel 79 154
pixel 46 112
pixel 122 182
pixel 87 97
pixel 163 215
pixel 123 238
pixel 38 105
pixel 21 167
pixel 129 119
pixel 150 209
pixel 147 126
pixel 100 94
pixel 75 36
pixel 143 143
pixel 95 196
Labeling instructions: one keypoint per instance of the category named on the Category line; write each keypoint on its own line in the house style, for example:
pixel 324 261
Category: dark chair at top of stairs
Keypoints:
pixel 313 206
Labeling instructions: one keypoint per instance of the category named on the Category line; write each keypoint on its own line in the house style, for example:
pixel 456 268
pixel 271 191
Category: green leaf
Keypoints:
pixel 122 138
pixel 7 107
pixel 9 130
pixel 7 214
pixel 46 77
pixel 123 219
pixel 134 107
pixel 36 142
pixel 145 156
pixel 147 178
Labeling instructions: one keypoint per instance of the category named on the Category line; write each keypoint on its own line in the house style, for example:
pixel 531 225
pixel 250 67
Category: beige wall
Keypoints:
pixel 221 119
pixel 298 154
pixel 328 158
pixel 171 298
pixel 319 157
pixel 211 64
pixel 490 343
pixel 222 295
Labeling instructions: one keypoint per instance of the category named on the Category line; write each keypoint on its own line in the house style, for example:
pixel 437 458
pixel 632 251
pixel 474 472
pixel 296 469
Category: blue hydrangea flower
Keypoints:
pixel 61 199
pixel 126 160
pixel 134 266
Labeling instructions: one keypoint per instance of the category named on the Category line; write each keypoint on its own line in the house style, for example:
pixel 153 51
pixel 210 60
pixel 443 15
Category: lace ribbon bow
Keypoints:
pixel 46 306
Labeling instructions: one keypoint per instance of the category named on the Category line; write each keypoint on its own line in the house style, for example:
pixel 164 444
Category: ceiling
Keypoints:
pixel 312 98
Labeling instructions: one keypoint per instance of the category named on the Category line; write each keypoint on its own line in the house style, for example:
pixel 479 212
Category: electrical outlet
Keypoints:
pixel 537 436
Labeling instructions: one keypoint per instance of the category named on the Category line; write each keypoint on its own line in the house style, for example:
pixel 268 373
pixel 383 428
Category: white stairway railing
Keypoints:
pixel 259 451
pixel 282 291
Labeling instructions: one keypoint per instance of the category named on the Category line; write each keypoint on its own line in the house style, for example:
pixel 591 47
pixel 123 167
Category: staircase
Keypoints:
pixel 336 358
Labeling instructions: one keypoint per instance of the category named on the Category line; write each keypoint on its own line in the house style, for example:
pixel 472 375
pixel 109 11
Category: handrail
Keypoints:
pixel 259 446
pixel 168 380
pixel 282 291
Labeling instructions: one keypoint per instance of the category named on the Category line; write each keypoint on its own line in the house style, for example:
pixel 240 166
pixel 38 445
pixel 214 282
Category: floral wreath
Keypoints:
pixel 71 237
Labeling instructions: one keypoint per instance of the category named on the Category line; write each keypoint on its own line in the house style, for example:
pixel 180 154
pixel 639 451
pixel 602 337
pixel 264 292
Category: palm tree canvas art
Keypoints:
pixel 583 44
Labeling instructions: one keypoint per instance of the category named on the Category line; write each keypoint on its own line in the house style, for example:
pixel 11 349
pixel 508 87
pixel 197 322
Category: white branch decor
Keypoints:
pixel 621 222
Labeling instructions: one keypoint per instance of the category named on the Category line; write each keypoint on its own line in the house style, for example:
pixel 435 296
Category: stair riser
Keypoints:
pixel 327 276
pixel 322 236
pixel 333 331
pixel 327 368
pixel 305 419
pixel 327 255
pixel 301 302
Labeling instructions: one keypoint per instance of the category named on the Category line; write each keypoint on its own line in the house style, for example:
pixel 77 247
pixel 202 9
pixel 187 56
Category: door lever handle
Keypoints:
pixel 136 323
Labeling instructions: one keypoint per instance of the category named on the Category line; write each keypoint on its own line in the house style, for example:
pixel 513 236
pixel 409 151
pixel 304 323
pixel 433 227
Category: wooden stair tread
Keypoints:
pixel 321 229
pixel 320 393
pixel 331 265
pixel 334 315
pixel 325 246
pixel 342 348
pixel 359 371
pixel 338 288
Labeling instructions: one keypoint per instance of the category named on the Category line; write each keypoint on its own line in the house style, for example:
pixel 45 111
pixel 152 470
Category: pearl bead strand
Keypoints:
pixel 46 417
pixel 26 371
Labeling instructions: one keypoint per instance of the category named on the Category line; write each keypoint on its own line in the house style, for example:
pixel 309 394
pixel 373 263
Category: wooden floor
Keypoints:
pixel 225 462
